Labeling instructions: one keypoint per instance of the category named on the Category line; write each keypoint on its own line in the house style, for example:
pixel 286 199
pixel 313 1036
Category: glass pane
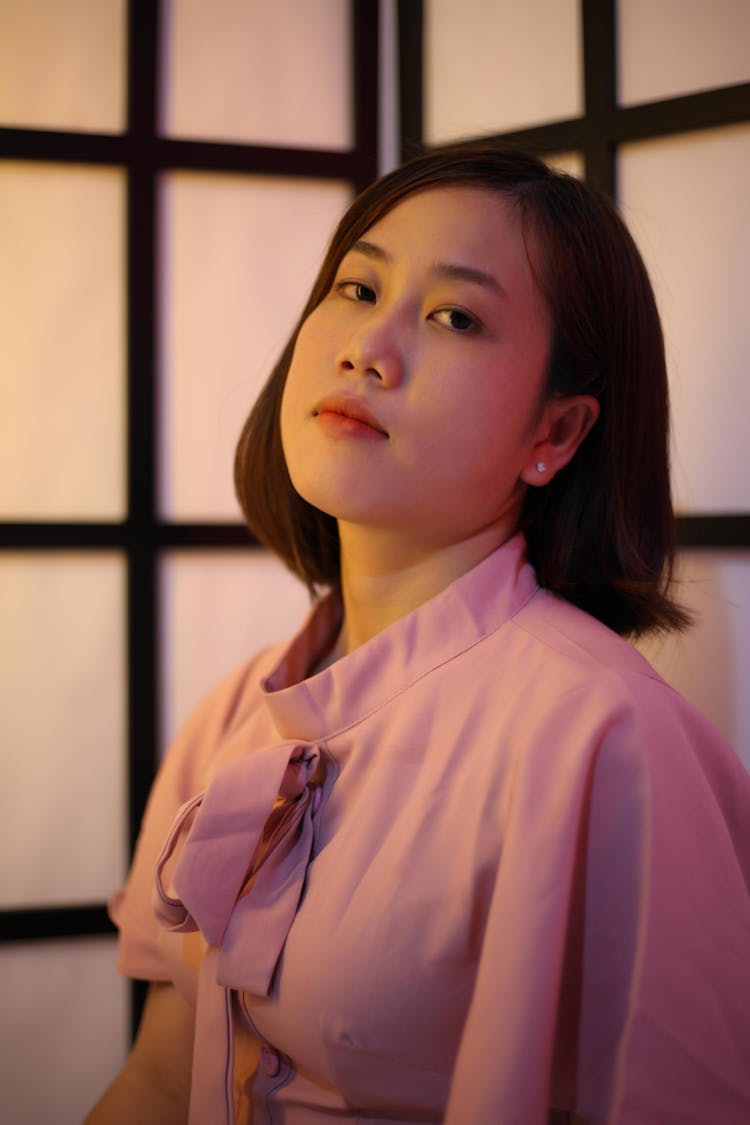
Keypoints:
pixel 275 74
pixel 62 698
pixel 62 64
pixel 494 67
pixel 62 353
pixel 708 664
pixel 665 50
pixel 570 162
pixel 239 257
pixel 64 1029
pixel 686 201
pixel 219 609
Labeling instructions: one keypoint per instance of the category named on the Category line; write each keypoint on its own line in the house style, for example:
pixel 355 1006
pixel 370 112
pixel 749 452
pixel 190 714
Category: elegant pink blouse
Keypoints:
pixel 486 866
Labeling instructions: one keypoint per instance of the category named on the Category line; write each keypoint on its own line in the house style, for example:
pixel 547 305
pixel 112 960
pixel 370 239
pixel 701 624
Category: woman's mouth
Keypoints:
pixel 349 416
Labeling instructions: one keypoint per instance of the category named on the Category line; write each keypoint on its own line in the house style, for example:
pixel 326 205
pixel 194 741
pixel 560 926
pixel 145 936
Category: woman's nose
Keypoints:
pixel 375 352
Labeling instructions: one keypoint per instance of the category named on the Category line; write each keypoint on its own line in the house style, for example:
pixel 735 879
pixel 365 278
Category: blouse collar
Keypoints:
pixel 470 608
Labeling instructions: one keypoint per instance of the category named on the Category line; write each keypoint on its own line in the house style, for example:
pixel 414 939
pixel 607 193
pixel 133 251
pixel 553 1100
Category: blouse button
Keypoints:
pixel 269 1060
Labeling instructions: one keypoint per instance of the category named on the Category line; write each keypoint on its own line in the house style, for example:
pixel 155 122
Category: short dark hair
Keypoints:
pixel 601 532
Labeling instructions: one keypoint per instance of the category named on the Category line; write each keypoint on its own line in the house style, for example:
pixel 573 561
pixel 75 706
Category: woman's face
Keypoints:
pixel 414 398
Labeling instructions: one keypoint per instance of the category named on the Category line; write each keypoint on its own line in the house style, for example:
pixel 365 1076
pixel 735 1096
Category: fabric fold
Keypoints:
pixel 237 854
pixel 234 867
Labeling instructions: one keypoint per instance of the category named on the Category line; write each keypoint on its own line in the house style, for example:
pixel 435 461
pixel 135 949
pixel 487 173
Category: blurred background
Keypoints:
pixel 169 176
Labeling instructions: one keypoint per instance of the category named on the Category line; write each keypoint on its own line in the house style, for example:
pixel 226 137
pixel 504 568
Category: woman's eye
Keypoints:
pixel 455 319
pixel 357 291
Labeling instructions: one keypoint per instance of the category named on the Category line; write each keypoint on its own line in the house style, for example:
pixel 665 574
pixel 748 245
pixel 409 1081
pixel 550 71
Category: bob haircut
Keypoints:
pixel 601 532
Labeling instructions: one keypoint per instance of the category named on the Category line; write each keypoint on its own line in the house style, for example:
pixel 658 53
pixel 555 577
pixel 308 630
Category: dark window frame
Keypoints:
pixel 143 536
pixel 596 134
pixel 144 155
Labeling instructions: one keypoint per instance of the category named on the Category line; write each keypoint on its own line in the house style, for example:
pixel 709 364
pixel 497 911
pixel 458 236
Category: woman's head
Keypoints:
pixel 600 531
pixel 438 338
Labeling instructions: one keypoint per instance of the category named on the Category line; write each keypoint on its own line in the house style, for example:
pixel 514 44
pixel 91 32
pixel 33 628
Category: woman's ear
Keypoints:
pixel 564 424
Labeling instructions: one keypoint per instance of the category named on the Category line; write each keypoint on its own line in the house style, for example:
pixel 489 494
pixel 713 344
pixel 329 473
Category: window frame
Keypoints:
pixel 143 536
pixel 597 134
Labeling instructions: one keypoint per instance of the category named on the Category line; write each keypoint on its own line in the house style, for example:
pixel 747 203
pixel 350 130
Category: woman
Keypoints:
pixel 456 853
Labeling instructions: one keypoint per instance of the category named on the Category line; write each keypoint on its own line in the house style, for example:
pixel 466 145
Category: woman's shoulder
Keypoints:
pixel 571 637
pixel 231 704
pixel 585 665
pixel 614 692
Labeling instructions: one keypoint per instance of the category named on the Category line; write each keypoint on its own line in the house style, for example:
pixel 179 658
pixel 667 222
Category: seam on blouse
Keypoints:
pixel 428 672
pixel 229 1062
pixel 284 1079
pixel 647 672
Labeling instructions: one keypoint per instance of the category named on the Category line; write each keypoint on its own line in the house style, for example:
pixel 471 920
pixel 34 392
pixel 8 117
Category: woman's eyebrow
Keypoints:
pixel 450 270
pixel 455 272
pixel 371 250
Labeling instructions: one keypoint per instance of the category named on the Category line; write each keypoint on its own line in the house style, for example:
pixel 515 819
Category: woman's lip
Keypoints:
pixel 352 407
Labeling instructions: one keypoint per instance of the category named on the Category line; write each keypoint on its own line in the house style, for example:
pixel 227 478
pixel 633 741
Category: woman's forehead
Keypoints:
pixel 453 201
pixel 467 224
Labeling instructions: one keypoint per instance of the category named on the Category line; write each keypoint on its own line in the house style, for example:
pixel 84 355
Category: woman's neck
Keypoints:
pixel 383 580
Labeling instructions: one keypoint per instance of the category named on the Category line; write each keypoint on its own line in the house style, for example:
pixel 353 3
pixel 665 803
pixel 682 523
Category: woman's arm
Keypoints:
pixel 155 1082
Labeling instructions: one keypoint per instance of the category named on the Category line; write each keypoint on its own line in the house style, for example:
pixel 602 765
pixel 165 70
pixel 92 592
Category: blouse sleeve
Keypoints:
pixel 615 973
pixel 145 951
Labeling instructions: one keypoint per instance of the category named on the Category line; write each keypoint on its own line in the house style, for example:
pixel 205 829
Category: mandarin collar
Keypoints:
pixel 470 608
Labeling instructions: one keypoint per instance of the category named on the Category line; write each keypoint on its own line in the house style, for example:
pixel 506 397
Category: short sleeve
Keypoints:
pixel 614 978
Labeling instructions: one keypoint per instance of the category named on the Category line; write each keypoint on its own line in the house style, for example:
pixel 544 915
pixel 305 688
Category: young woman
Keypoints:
pixel 455 853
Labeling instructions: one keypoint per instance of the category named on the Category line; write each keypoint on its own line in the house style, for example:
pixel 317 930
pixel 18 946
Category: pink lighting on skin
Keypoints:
pixel 349 416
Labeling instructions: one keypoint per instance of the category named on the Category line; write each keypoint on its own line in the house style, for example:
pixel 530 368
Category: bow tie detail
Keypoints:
pixel 235 860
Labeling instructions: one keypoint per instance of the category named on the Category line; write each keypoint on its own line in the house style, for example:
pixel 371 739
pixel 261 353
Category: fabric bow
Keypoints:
pixel 235 859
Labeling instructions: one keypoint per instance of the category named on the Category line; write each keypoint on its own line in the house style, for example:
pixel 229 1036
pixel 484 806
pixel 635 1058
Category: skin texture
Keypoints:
pixel 155 1084
pixel 435 331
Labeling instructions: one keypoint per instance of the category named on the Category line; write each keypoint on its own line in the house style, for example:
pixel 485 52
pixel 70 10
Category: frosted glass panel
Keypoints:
pixel 276 74
pixel 63 1026
pixel 238 260
pixel 62 64
pixel 686 201
pixel 709 664
pixel 62 354
pixel 62 688
pixel 218 609
pixel 570 162
pixel 670 47
pixel 494 67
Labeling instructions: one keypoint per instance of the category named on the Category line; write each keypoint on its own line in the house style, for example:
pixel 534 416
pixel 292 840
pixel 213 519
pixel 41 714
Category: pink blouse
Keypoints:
pixel 486 866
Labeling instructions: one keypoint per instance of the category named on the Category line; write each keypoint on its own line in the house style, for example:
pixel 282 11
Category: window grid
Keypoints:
pixel 143 535
pixel 597 134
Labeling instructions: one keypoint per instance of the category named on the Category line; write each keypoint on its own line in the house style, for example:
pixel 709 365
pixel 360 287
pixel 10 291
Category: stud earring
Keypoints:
pixel 541 467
